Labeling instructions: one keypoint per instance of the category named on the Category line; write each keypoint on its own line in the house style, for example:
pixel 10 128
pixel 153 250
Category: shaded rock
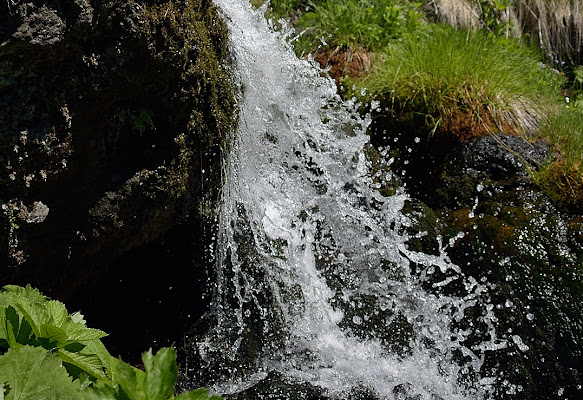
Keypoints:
pixel 113 115
pixel 506 234
pixel 503 155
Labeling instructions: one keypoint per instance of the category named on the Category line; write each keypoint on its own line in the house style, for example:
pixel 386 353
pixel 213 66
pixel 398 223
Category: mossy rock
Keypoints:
pixel 114 117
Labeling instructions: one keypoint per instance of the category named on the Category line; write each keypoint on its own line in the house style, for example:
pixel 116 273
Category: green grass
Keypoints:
pixel 465 83
pixel 371 24
pixel 562 177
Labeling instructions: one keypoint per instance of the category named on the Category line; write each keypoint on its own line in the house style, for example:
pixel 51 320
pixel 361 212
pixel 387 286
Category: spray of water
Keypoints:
pixel 315 278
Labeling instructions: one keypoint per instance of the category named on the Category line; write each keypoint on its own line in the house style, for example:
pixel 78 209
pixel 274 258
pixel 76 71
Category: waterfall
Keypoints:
pixel 315 278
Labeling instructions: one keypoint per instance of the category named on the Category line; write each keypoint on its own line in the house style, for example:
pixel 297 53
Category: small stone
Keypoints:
pixel 38 214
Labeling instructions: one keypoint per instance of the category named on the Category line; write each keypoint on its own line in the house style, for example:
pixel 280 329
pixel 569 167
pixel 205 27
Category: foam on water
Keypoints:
pixel 312 259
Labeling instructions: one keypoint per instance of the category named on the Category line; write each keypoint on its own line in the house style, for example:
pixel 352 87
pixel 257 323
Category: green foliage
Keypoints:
pixel 562 177
pixel 491 16
pixel 29 318
pixel 283 8
pixel 371 24
pixel 144 120
pixel 576 89
pixel 28 372
pixel 45 353
pixel 465 83
pixel 11 218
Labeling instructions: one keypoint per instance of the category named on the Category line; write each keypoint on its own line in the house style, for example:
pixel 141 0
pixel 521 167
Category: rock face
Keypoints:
pixel 112 118
pixel 504 232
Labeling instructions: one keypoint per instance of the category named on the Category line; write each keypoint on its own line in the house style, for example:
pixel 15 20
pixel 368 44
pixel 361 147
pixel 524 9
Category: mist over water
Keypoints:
pixel 315 280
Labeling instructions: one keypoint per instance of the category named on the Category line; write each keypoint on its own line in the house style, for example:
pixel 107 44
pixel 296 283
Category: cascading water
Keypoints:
pixel 315 278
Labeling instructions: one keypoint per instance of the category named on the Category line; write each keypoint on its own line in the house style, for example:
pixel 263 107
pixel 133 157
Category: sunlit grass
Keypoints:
pixel 562 177
pixel 465 83
pixel 371 24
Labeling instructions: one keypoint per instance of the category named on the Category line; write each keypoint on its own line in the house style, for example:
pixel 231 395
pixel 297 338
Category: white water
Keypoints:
pixel 312 261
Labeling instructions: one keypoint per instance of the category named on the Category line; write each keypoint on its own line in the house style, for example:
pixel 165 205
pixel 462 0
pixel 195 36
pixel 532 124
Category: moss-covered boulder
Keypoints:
pixel 113 115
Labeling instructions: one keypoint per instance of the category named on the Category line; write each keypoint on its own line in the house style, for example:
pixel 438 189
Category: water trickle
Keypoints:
pixel 315 280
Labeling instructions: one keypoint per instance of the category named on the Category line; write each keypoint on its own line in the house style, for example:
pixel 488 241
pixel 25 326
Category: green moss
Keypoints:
pixel 191 35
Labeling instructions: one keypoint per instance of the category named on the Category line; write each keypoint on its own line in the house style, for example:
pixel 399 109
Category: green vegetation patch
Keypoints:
pixel 562 177
pixel 46 353
pixel 371 24
pixel 464 84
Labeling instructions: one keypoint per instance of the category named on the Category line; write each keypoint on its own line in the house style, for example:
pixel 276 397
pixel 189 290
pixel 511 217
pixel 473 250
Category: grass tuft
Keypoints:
pixel 562 177
pixel 465 83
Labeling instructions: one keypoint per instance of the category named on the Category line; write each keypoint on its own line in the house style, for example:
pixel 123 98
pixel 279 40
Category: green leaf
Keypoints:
pixel 24 333
pixel 78 332
pixel 161 373
pixel 96 347
pixel 99 393
pixel 30 303
pixel 89 363
pixel 199 394
pixel 130 380
pixel 34 312
pixel 3 332
pixel 28 293
pixel 8 320
pixel 32 373
pixel 56 336
pixel 58 312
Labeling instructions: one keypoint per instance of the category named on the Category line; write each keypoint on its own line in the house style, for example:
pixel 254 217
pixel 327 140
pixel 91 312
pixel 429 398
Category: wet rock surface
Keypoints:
pixel 112 119
pixel 506 234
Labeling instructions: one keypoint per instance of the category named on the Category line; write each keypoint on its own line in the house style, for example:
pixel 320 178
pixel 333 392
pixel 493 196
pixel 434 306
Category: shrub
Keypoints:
pixel 464 83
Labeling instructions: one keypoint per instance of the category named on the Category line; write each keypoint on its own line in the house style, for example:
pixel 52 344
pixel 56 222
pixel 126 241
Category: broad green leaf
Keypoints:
pixel 161 373
pixel 78 332
pixel 98 393
pixel 3 333
pixel 58 313
pixel 28 293
pixel 199 394
pixel 2 391
pixel 30 303
pixel 130 379
pixel 56 336
pixel 35 313
pixel 96 347
pixel 12 325
pixel 10 336
pixel 33 373
pixel 89 363
pixel 24 333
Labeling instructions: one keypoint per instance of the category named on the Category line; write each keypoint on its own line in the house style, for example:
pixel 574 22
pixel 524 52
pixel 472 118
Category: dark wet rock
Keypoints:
pixel 275 386
pixel 503 156
pixel 112 119
pixel 506 234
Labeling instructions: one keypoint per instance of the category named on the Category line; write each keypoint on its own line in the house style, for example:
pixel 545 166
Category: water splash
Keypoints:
pixel 315 277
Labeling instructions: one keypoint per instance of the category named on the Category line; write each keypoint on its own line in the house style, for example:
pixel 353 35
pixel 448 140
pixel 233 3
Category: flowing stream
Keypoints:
pixel 315 278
